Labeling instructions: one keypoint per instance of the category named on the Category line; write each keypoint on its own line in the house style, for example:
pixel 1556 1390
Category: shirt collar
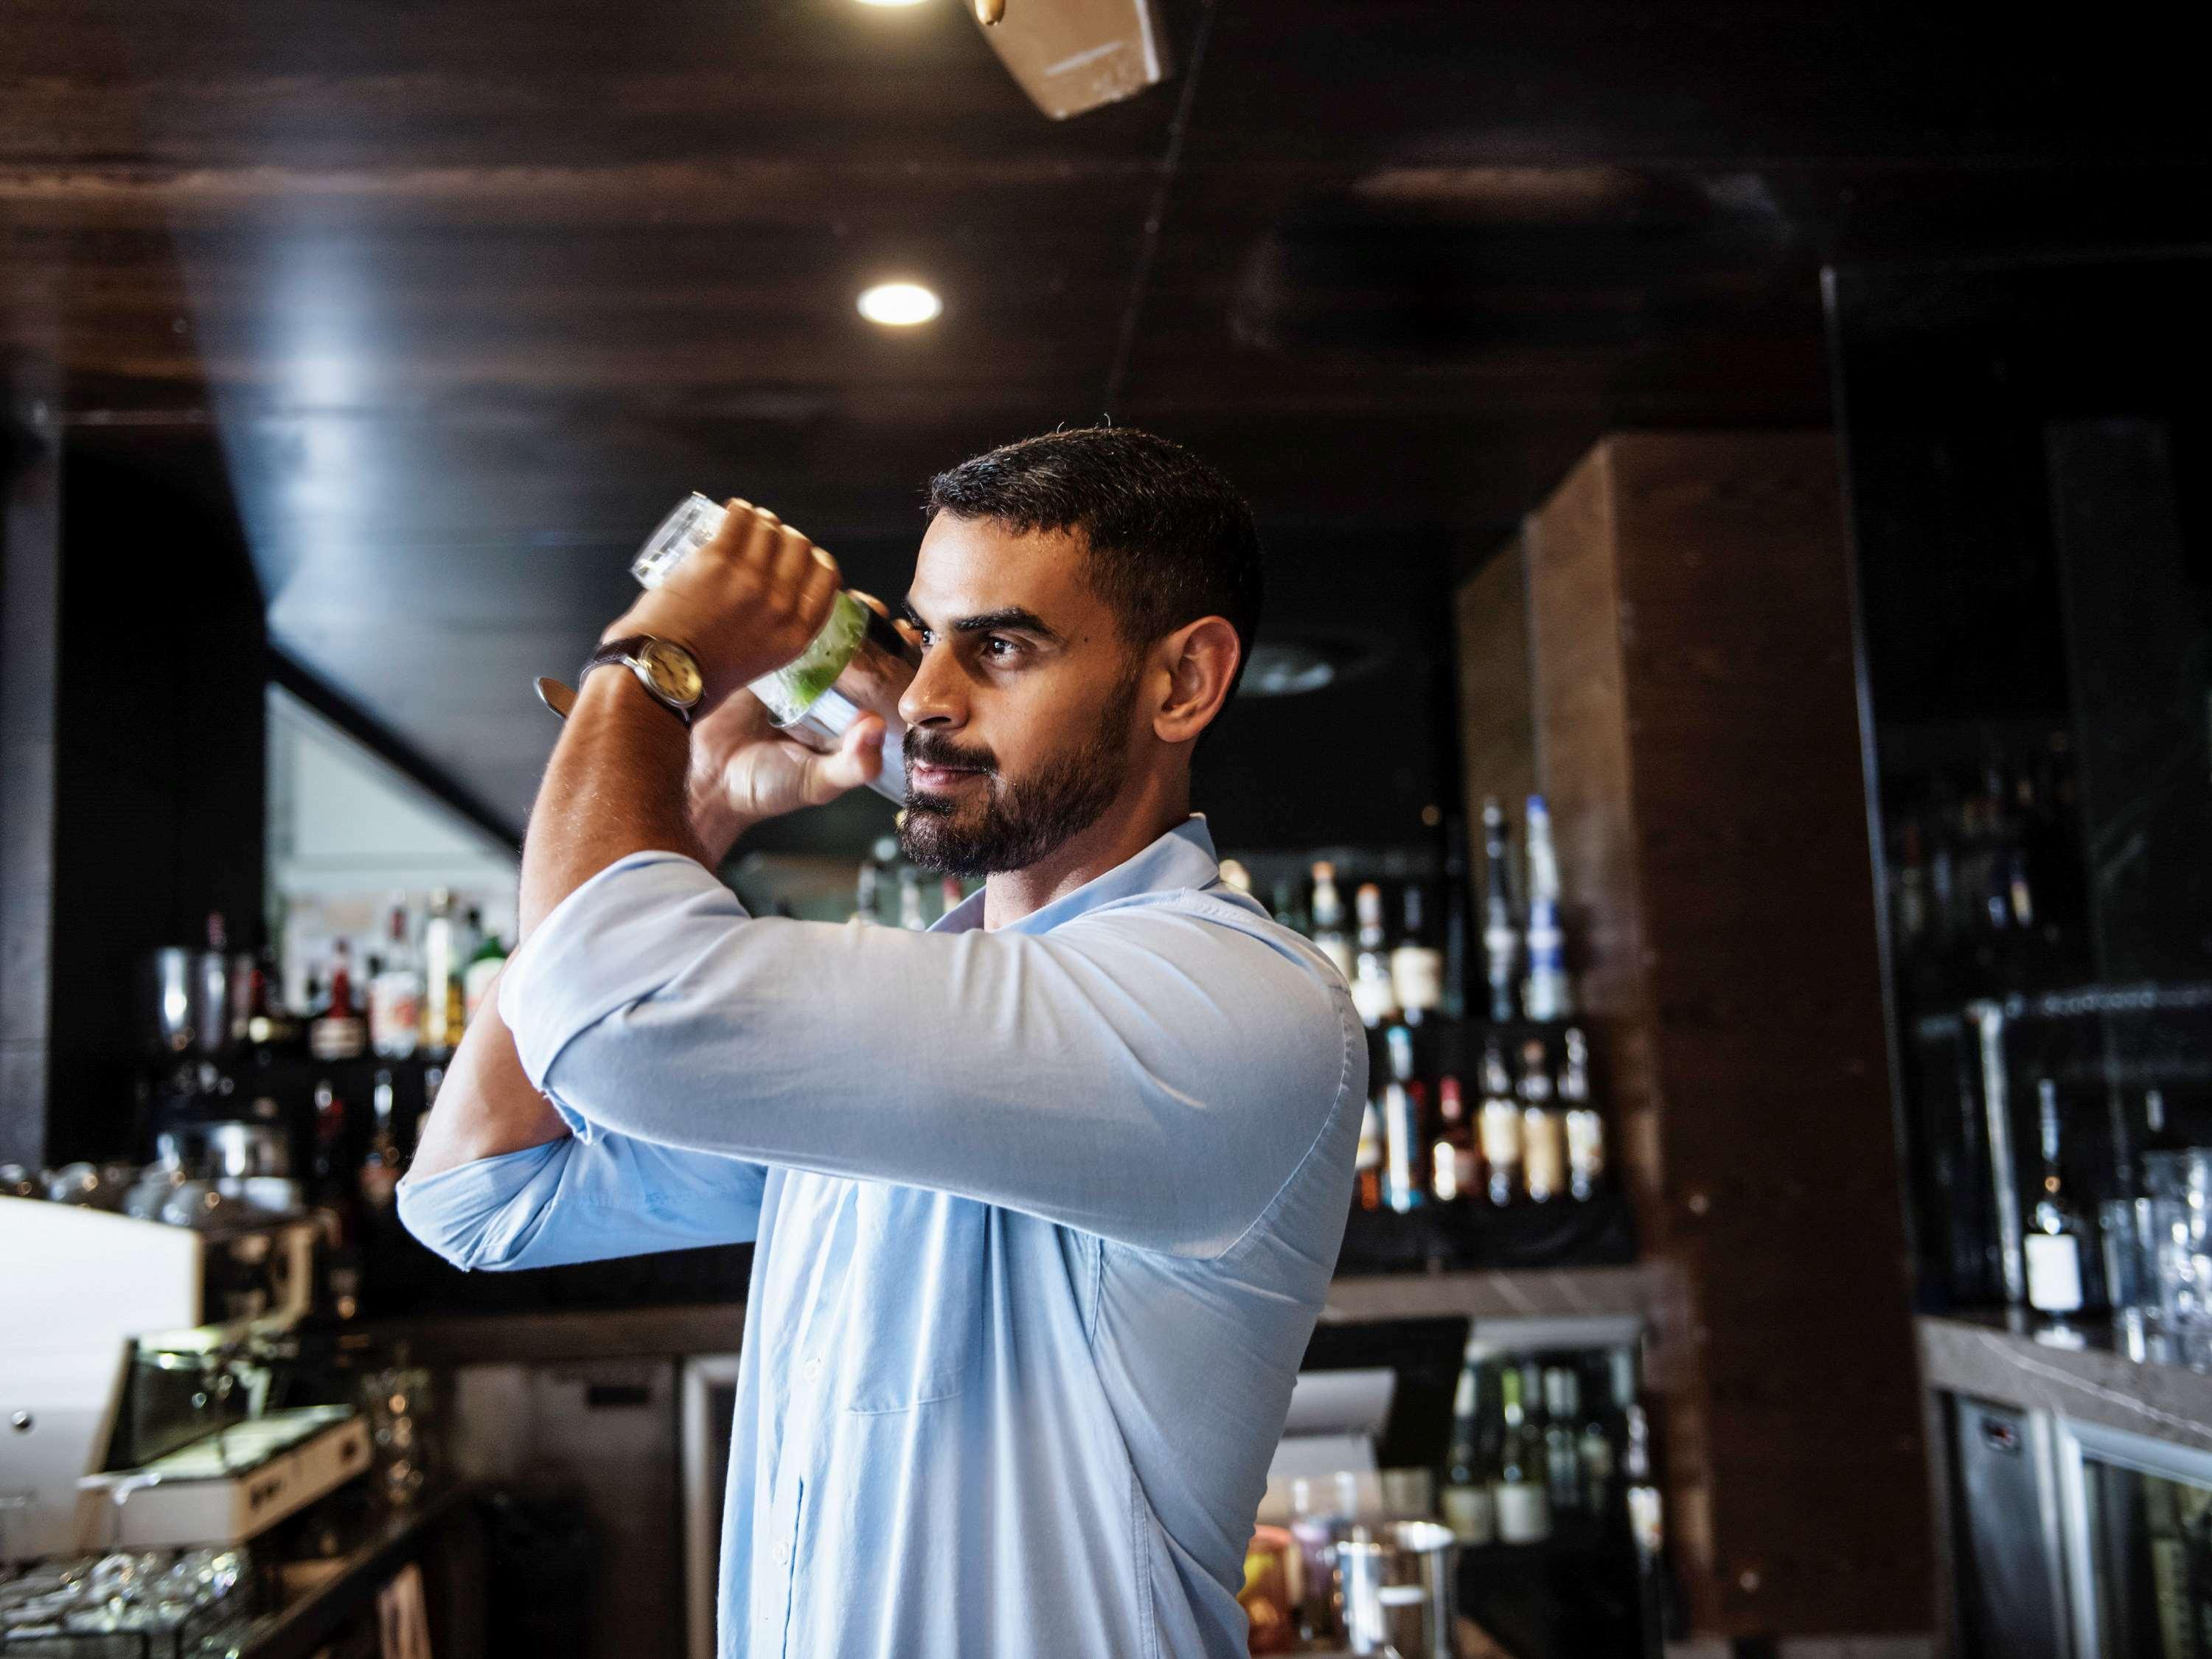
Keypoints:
pixel 1183 857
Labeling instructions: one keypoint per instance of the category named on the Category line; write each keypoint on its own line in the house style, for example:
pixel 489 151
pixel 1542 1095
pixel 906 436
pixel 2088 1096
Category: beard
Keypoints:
pixel 1022 820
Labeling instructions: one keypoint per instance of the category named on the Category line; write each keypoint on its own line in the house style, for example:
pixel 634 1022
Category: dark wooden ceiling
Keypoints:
pixel 468 293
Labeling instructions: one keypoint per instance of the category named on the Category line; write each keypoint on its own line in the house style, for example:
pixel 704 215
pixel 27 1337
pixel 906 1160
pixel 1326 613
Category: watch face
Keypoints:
pixel 674 675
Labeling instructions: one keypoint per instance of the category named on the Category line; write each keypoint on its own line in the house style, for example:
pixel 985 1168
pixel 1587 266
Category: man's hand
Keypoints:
pixel 744 770
pixel 744 605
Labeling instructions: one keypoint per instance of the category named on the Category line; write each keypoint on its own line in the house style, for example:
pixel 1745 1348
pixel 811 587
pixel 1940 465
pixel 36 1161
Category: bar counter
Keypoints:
pixel 1517 1304
pixel 2084 1371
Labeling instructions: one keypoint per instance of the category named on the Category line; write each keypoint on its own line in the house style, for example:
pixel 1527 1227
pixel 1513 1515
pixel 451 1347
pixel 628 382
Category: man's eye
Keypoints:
pixel 998 646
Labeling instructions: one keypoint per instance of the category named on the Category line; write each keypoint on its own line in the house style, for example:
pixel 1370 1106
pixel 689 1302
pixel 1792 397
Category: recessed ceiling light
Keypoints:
pixel 899 305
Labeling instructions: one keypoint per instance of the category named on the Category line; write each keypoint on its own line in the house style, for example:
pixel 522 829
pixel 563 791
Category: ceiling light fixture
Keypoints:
pixel 899 305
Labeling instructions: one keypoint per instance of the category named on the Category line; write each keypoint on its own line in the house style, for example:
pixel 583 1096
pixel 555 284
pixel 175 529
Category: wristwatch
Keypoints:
pixel 663 667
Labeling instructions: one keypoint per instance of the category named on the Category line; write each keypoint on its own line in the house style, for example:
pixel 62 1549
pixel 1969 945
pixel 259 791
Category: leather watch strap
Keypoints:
pixel 623 652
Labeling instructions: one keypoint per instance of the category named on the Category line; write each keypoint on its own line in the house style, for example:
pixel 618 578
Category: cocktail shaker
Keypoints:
pixel 859 662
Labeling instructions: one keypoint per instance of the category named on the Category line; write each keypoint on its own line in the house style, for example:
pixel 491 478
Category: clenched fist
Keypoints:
pixel 744 605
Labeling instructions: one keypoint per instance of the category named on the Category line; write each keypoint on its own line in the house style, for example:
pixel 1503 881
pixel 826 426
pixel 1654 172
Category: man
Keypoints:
pixel 1046 1200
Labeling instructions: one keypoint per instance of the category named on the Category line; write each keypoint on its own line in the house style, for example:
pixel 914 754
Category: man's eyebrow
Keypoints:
pixel 1011 616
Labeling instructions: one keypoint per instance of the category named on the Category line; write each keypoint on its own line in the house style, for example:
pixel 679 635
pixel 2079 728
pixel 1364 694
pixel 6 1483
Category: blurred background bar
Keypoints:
pixel 1736 698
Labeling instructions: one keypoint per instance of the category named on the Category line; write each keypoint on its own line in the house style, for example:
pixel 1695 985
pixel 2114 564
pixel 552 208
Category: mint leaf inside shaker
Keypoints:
pixel 792 690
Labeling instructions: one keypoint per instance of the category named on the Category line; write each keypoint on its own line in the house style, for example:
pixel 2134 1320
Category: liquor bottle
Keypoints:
pixel 909 890
pixel 1499 1129
pixel 1372 994
pixel 338 1032
pixel 268 1026
pixel 2157 1135
pixel 1329 918
pixel 444 1002
pixel 863 893
pixel 1543 1136
pixel 1501 938
pixel 230 987
pixel 1517 1489
pixel 1647 1527
pixel 2196 1571
pixel 1544 995
pixel 434 1079
pixel 2166 1550
pixel 1563 1452
pixel 1455 907
pixel 1315 1523
pixel 1585 1129
pixel 1912 889
pixel 1288 911
pixel 1367 1161
pixel 333 1196
pixel 1594 1441
pixel 2053 1243
pixel 1454 1166
pixel 483 966
pixel 395 991
pixel 1417 966
pixel 378 1178
pixel 1403 1165
pixel 950 896
pixel 1470 1510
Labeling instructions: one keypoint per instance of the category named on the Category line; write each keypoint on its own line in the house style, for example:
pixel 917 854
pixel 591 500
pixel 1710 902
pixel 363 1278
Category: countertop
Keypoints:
pixel 1521 1306
pixel 2088 1370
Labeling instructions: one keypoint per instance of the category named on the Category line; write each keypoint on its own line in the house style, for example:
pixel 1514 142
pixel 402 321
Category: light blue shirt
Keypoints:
pixel 1044 1216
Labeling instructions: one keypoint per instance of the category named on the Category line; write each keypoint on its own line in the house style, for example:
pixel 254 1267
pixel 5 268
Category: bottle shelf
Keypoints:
pixel 1595 1232
pixel 2080 1002
pixel 1550 1296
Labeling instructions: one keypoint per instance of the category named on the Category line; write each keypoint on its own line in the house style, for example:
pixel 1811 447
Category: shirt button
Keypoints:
pixel 783 1555
pixel 813 1368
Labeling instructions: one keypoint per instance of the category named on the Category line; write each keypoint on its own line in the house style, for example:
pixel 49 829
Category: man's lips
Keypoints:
pixel 940 777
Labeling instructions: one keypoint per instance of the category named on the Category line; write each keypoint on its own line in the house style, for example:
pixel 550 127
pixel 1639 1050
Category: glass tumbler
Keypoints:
pixel 2129 1230
pixel 2180 1184
pixel 858 664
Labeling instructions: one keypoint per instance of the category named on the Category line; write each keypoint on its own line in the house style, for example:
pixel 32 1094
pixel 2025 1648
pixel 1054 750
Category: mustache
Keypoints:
pixel 923 749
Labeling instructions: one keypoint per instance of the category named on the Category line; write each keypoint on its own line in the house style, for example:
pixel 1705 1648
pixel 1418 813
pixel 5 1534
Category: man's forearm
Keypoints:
pixel 614 786
pixel 487 1105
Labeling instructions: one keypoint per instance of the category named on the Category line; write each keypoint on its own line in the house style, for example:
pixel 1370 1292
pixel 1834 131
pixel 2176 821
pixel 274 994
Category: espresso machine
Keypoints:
pixel 145 1374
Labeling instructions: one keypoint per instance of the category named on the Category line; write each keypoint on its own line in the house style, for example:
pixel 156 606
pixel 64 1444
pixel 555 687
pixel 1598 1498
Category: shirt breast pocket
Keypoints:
pixel 920 1291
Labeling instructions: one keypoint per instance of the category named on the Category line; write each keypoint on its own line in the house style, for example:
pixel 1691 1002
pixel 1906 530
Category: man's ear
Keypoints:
pixel 1200 658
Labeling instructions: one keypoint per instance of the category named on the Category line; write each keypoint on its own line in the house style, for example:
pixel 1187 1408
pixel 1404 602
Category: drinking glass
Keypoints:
pixel 858 664
pixel 2128 1229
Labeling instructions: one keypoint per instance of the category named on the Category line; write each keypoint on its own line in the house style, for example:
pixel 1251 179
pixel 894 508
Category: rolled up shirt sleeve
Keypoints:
pixel 569 1201
pixel 1150 1071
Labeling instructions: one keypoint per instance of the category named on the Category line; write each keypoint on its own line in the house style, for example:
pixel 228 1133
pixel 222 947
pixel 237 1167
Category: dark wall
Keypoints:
pixel 31 474
pixel 2028 457
pixel 159 784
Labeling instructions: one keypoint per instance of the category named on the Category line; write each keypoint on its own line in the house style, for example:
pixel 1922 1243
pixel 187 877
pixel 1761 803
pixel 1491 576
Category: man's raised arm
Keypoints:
pixel 487 1106
pixel 498 1182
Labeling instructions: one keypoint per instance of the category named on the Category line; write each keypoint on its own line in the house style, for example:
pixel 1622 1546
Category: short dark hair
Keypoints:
pixel 1167 539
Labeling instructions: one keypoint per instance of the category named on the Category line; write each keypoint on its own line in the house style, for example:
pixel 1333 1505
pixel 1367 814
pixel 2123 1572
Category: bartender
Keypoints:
pixel 1045 1201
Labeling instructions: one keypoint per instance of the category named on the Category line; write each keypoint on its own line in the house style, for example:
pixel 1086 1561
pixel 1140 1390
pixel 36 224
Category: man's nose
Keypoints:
pixel 934 697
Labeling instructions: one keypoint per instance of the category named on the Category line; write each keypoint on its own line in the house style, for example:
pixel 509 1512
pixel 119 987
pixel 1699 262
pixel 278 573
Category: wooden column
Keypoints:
pixel 1695 713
